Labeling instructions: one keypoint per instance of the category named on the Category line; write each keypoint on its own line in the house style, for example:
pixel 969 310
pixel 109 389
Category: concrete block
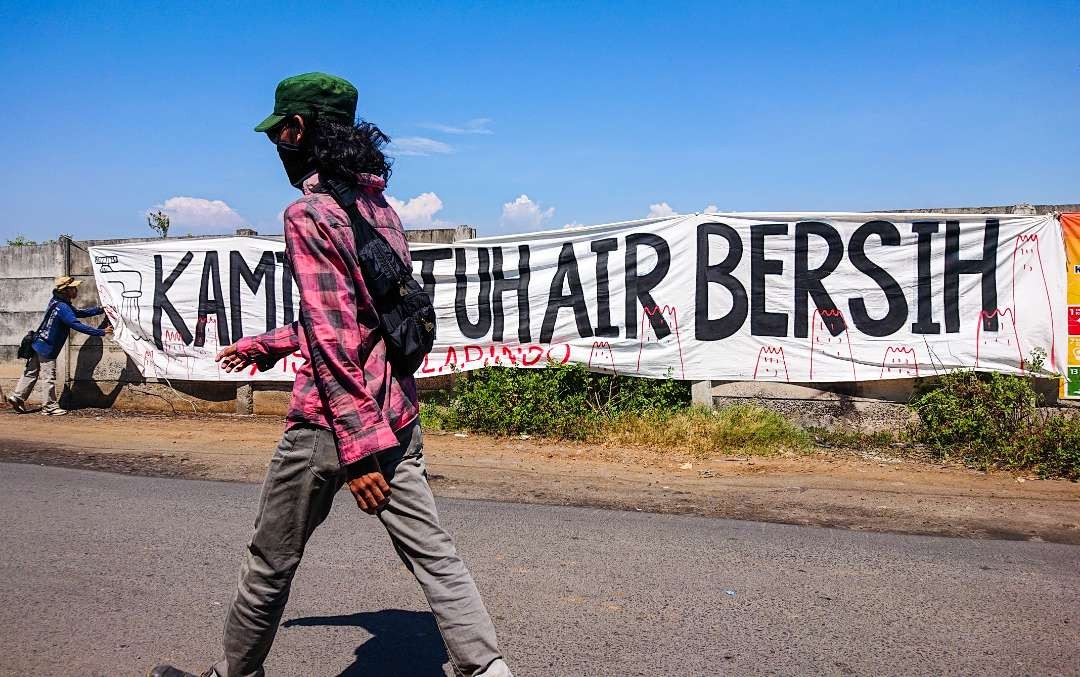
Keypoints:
pixel 97 358
pixel 784 391
pixel 79 263
pixel 435 383
pixel 45 260
pixel 701 392
pixel 25 294
pixel 892 390
pixel 430 235
pixel 11 370
pixel 15 324
pixel 271 399
pixel 244 397
pixel 180 397
pixel 88 294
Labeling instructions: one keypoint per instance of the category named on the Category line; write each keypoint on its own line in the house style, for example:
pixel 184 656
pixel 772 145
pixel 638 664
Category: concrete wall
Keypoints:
pixel 441 235
pixel 1022 208
pixel 99 374
pixel 26 282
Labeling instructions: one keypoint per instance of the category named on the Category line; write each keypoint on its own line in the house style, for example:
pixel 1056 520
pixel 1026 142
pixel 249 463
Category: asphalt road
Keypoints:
pixel 107 574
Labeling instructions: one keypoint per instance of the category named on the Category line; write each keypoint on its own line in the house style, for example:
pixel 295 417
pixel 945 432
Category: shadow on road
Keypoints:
pixel 403 643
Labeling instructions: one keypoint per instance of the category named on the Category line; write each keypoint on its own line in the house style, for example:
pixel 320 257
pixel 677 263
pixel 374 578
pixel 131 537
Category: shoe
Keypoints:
pixel 54 410
pixel 17 404
pixel 168 671
pixel 164 670
pixel 498 668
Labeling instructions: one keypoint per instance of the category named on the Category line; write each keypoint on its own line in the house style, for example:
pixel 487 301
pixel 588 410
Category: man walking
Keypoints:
pixel 353 418
pixel 60 318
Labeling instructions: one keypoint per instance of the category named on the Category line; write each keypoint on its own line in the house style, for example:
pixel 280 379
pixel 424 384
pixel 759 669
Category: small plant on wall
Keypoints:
pixel 158 222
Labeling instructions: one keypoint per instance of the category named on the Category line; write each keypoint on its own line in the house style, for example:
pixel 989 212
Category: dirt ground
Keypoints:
pixel 835 488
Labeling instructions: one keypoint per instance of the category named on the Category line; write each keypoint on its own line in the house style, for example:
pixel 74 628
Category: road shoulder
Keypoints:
pixel 839 489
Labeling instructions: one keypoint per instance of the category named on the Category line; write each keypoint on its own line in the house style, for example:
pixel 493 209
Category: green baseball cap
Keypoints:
pixel 312 93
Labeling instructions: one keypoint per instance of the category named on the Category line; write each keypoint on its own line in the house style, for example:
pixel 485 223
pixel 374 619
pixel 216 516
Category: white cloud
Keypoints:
pixel 419 145
pixel 524 213
pixel 660 210
pixel 574 224
pixel 418 212
pixel 474 126
pixel 196 214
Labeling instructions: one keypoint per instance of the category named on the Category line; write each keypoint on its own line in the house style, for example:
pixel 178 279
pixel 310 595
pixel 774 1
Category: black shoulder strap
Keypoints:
pixel 345 195
pixel 53 302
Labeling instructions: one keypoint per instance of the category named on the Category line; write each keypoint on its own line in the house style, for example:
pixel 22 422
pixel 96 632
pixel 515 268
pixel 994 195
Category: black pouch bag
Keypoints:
pixel 406 315
pixel 26 348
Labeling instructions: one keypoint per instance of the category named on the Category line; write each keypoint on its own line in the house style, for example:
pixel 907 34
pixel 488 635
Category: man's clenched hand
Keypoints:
pixel 367 484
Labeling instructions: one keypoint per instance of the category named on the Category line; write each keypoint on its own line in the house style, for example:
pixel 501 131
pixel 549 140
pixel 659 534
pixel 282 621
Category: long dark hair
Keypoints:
pixel 345 150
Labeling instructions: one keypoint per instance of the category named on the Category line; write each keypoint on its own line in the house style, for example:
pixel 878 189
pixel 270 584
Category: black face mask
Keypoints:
pixel 298 163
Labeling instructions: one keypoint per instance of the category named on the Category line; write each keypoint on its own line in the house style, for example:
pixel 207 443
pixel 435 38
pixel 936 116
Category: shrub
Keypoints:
pixel 1057 448
pixel 569 402
pixel 985 419
pixel 992 420
pixel 500 400
pixel 435 416
pixel 979 413
pixel 564 401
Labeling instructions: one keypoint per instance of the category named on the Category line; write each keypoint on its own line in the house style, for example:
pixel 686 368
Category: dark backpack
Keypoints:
pixel 406 314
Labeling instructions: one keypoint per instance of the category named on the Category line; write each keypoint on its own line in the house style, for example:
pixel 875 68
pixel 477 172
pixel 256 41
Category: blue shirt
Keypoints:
pixel 60 319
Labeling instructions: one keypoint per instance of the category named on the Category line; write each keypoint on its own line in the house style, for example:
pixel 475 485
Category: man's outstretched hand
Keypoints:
pixel 230 361
pixel 367 484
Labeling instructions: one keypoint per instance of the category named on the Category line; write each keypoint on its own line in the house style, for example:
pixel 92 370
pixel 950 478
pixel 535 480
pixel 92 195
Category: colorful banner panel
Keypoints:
pixel 1070 228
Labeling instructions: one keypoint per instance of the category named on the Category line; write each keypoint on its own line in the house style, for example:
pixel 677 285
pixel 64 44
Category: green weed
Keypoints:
pixel 992 420
pixel 988 420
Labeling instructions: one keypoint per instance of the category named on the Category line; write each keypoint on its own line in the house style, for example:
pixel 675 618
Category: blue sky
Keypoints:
pixel 514 117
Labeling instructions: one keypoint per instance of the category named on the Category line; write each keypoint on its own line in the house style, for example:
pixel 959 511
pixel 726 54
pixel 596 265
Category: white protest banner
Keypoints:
pixel 174 303
pixel 800 297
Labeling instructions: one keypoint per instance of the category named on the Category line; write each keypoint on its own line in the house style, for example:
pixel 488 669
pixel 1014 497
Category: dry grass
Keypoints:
pixel 698 431
pixel 703 433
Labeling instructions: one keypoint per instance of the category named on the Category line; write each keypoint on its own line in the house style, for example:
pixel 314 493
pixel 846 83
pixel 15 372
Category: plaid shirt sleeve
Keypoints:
pixel 266 349
pixel 325 268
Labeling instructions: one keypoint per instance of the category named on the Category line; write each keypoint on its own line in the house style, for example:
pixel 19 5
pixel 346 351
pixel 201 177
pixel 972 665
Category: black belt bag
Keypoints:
pixel 26 347
pixel 406 315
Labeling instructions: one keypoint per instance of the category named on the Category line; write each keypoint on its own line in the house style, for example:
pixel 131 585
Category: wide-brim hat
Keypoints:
pixel 65 282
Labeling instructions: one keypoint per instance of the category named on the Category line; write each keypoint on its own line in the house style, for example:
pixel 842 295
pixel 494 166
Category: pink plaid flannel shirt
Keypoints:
pixel 365 401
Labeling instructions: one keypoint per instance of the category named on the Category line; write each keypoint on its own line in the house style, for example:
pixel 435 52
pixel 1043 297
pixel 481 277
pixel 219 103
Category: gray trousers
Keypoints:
pixel 38 368
pixel 299 490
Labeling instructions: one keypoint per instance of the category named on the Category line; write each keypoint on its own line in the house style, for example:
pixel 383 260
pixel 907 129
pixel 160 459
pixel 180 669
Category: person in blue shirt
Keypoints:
pixel 60 318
